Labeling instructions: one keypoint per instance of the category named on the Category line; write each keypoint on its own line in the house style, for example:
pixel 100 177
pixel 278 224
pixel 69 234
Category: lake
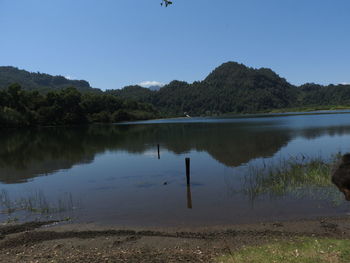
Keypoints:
pixel 111 174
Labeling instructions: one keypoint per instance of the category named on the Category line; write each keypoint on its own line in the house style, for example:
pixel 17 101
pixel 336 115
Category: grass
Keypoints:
pixel 299 176
pixel 35 202
pixel 301 250
pixel 311 108
pixel 307 110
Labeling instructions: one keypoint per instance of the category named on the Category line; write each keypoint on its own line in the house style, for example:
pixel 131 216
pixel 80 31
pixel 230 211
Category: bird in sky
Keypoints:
pixel 166 3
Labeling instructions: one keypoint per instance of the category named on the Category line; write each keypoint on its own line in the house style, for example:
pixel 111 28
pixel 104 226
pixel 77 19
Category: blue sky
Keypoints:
pixel 113 43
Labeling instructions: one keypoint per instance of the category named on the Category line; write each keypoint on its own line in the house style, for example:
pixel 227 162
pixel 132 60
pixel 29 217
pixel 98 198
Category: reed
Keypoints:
pixel 299 175
pixel 36 202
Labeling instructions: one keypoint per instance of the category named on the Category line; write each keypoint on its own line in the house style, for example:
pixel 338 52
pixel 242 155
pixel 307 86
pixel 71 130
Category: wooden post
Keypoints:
pixel 188 171
pixel 158 151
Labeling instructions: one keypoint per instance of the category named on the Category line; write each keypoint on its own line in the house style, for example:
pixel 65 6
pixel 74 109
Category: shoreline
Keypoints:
pixel 272 113
pixel 260 114
pixel 70 242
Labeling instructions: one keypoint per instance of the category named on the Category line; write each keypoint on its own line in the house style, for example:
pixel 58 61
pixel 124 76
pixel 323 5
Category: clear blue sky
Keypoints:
pixel 113 43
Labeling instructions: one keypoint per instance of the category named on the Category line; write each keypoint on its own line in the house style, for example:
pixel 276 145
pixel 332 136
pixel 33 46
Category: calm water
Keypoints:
pixel 112 174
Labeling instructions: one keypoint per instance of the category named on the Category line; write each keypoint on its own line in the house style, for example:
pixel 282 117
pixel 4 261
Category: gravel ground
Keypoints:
pixel 52 242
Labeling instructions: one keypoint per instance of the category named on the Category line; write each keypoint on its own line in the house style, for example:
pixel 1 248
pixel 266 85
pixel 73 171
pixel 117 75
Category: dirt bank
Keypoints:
pixel 38 242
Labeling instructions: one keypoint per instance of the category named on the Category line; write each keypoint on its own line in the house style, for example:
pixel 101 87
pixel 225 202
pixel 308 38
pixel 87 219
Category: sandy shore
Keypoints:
pixel 56 242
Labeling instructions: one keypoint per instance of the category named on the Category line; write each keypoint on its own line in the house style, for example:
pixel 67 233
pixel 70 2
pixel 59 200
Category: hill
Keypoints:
pixel 231 87
pixel 39 81
pixel 236 88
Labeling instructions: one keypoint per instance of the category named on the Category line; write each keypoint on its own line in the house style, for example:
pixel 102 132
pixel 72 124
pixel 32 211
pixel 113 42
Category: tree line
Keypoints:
pixel 68 106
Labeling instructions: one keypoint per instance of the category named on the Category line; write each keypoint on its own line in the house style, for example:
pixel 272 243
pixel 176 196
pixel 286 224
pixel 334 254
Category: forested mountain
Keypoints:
pixel 250 89
pixel 232 87
pixel 235 88
pixel 39 81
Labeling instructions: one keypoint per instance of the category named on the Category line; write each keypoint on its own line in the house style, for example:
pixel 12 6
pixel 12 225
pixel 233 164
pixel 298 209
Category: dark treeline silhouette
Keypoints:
pixel 66 107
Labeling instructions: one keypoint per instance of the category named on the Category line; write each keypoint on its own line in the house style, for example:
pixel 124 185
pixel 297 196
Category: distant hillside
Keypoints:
pixel 39 81
pixel 155 87
pixel 231 87
pixel 236 88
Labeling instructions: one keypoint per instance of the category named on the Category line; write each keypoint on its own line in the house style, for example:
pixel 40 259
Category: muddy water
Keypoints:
pixel 112 174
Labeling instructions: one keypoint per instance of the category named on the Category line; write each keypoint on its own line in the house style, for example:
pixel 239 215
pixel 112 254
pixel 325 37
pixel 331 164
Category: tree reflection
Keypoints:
pixel 25 154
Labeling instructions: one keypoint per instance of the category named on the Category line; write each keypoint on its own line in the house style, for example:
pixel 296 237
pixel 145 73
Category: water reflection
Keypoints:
pixel 189 197
pixel 117 173
pixel 25 154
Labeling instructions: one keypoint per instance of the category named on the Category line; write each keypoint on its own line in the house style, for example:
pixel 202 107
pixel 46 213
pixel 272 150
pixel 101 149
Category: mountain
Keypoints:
pixel 154 88
pixel 39 81
pixel 231 87
pixel 236 88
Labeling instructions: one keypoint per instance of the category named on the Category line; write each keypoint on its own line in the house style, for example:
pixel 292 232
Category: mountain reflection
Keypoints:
pixel 25 154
